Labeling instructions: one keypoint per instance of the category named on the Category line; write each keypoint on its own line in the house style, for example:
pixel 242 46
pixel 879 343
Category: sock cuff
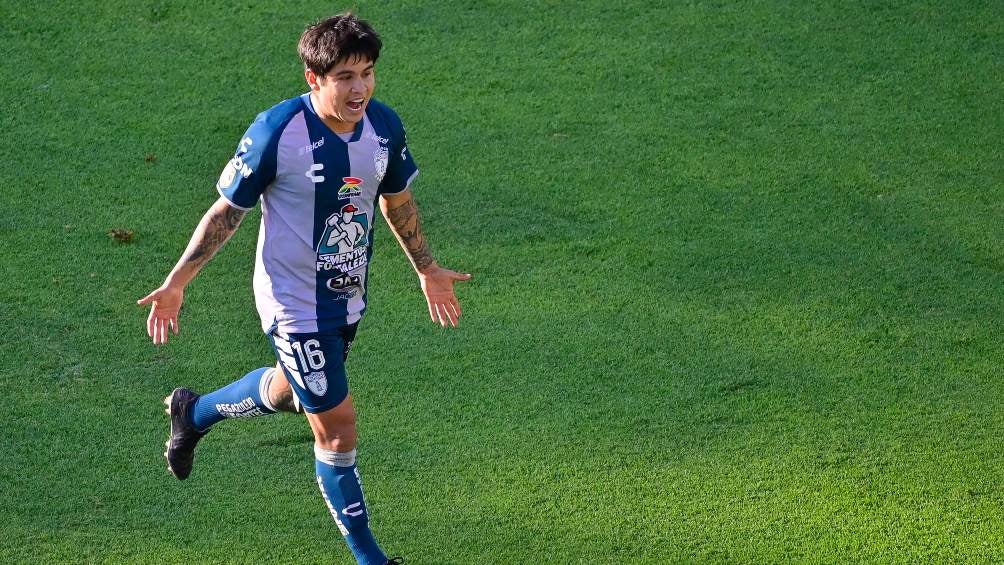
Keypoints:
pixel 263 385
pixel 335 458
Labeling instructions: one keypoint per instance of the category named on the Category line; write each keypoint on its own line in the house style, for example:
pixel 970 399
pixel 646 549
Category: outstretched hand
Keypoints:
pixel 166 304
pixel 437 285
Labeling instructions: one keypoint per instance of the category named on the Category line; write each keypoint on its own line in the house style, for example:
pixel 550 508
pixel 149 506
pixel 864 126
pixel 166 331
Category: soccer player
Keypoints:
pixel 319 163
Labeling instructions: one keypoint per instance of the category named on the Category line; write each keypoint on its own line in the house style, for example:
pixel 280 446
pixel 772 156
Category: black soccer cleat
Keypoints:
pixel 395 561
pixel 181 445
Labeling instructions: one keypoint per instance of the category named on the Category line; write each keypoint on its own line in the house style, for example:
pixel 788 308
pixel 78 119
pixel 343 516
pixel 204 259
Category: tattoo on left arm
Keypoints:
pixel 408 229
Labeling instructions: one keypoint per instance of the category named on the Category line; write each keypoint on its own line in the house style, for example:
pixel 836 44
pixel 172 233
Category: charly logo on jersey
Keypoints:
pixel 380 157
pixel 236 165
pixel 312 173
pixel 351 187
pixel 343 244
pixel 317 382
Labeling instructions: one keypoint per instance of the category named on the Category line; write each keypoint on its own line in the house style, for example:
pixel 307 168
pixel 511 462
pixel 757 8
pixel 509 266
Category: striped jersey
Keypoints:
pixel 318 193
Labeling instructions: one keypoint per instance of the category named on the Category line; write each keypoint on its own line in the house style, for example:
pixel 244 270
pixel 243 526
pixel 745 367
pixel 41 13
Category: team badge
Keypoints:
pixel 317 382
pixel 380 162
pixel 351 187
pixel 227 176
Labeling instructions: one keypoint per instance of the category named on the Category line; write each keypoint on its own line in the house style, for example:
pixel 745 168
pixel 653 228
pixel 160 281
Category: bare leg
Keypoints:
pixel 280 394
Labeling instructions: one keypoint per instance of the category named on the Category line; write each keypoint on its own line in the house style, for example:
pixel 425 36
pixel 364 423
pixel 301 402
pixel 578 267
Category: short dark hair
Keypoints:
pixel 336 39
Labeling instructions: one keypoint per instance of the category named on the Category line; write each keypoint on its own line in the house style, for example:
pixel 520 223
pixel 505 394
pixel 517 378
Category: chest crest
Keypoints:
pixel 380 162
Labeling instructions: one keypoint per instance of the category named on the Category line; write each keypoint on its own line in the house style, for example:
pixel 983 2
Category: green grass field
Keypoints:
pixel 738 285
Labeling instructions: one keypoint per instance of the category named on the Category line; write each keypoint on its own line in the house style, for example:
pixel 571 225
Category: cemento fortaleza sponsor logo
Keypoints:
pixel 345 240
pixel 351 187
pixel 243 409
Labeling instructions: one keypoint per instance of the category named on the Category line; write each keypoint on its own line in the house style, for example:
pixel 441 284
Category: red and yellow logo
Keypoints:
pixel 351 187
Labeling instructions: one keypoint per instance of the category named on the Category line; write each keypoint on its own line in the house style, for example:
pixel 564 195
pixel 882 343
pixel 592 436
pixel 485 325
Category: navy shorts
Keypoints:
pixel 314 364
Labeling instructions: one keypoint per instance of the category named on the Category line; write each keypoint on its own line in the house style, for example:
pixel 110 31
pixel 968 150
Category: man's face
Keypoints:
pixel 341 95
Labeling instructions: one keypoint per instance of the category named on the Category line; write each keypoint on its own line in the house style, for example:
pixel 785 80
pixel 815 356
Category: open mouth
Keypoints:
pixel 355 104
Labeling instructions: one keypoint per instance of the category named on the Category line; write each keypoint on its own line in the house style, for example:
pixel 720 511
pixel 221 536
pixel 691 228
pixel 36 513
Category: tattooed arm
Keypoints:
pixel 437 282
pixel 216 227
pixel 402 216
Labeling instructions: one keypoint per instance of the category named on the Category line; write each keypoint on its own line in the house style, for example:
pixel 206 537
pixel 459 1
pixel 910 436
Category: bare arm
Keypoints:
pixel 402 216
pixel 437 282
pixel 214 230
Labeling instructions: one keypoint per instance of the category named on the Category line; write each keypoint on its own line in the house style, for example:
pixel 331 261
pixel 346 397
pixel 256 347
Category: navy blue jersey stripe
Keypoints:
pixel 331 304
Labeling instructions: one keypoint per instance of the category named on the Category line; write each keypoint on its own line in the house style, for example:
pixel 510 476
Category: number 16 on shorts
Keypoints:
pixel 314 366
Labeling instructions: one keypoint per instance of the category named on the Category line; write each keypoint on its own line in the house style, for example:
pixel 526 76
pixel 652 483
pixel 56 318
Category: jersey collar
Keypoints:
pixel 356 133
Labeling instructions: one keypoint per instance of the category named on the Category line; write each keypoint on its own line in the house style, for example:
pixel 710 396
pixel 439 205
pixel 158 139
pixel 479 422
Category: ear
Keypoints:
pixel 312 79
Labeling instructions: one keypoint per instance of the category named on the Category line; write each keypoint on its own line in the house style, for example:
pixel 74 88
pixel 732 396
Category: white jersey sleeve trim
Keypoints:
pixel 407 185
pixel 231 202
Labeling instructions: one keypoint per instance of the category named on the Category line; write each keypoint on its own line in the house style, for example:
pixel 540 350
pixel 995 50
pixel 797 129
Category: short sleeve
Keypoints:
pixel 401 168
pixel 252 168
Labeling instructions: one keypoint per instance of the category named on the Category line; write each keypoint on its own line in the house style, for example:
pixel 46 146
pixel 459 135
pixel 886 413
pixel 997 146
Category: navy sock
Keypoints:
pixel 243 398
pixel 339 481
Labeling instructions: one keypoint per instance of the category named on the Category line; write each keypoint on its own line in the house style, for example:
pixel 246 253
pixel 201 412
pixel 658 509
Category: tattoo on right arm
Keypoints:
pixel 214 230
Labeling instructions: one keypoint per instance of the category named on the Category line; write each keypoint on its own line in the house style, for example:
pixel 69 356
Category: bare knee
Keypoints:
pixel 338 439
pixel 335 429
pixel 280 394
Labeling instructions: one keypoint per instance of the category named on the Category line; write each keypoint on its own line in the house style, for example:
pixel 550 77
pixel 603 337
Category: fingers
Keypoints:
pixel 444 310
pixel 157 327
pixel 450 315
pixel 152 324
pixel 445 315
pixel 437 315
pixel 150 321
pixel 461 276
pixel 432 311
pixel 439 319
